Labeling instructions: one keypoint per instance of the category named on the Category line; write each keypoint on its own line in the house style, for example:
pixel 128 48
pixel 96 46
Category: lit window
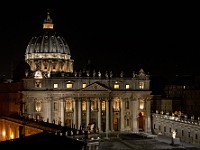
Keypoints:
pixel 48 26
pixel 141 104
pixel 141 85
pixel 103 104
pixel 84 105
pixel 68 105
pixel 69 85
pixel 127 86
pixel 3 133
pixel 116 86
pixel 11 135
pixel 38 105
pixel 116 105
pixel 84 85
pixel 55 85
pixel 94 105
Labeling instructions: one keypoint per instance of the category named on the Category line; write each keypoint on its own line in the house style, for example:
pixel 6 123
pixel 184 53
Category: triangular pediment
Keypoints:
pixel 96 87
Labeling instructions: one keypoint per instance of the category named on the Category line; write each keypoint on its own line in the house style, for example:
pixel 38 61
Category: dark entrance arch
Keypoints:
pixel 141 121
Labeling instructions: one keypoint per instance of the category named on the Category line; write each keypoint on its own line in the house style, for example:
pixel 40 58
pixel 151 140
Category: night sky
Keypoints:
pixel 163 39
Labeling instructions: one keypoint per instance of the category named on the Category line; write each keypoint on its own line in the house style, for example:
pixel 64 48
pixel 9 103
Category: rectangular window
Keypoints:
pixel 141 105
pixel 84 105
pixel 68 105
pixel 116 105
pixel 38 105
pixel 69 85
pixel 55 85
pixel 84 85
pixel 94 105
pixel 127 86
pixel 103 105
pixel 116 86
pixel 141 85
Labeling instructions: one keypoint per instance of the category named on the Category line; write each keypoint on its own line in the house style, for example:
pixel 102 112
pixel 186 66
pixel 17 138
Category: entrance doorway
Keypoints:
pixel 116 121
pixel 141 121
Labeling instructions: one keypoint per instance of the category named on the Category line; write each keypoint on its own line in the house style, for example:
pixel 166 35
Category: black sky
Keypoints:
pixel 163 39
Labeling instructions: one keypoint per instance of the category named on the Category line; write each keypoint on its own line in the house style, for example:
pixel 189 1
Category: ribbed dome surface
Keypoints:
pixel 48 43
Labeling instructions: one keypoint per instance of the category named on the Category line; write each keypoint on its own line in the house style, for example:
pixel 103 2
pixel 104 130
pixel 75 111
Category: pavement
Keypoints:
pixel 159 142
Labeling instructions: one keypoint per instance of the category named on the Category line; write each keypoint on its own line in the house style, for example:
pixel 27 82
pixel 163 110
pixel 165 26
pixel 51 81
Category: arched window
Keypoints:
pixel 38 105
pixel 94 105
pixel 103 105
pixel 68 105
pixel 84 105
pixel 116 105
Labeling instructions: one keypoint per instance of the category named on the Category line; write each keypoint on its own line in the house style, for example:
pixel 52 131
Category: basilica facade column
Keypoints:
pixel 30 107
pixel 148 115
pixel 107 115
pixel 88 112
pixel 112 115
pixel 62 115
pixel 99 115
pixel 79 113
pixel 122 115
pixel 49 110
pixel 74 113
pixel 134 115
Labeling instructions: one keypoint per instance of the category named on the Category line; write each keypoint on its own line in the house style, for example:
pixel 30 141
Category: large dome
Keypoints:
pixel 48 43
pixel 48 52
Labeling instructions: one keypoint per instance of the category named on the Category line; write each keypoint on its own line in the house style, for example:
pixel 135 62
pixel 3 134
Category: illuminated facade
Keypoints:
pixel 54 92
